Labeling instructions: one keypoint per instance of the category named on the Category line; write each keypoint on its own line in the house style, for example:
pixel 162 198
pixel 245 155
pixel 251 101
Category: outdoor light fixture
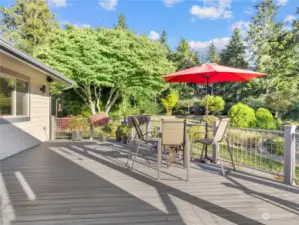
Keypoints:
pixel 43 89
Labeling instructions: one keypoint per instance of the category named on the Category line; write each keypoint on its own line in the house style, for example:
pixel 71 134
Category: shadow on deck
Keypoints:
pixel 89 183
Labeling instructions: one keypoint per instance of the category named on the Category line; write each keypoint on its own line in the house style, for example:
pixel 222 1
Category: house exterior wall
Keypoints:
pixel 18 136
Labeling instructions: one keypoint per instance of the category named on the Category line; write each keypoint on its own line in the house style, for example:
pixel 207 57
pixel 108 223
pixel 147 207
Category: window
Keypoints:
pixel 13 96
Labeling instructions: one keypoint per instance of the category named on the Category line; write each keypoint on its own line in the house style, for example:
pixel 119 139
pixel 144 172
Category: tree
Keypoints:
pixel 163 40
pixel 233 56
pixel 75 53
pixel 169 102
pixel 215 103
pixel 28 24
pixel 271 50
pixel 212 54
pixel 278 102
pixel 108 64
pixel 121 22
pixel 234 53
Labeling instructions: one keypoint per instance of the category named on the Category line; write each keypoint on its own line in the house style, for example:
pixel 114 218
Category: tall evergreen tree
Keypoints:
pixel 212 54
pixel 234 56
pixel 121 22
pixel 163 41
pixel 234 53
pixel 271 50
pixel 27 23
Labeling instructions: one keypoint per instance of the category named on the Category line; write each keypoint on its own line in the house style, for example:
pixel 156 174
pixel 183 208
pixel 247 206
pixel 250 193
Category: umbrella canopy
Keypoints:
pixel 211 73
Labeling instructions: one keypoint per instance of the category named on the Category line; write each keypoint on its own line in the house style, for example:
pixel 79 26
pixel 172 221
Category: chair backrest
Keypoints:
pixel 173 132
pixel 137 128
pixel 221 129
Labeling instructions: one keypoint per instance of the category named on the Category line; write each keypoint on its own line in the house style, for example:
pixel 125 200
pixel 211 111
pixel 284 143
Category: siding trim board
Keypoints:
pixel 14 120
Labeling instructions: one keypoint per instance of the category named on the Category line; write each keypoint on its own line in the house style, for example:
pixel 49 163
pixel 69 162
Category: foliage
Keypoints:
pixel 213 56
pixel 215 103
pixel 272 50
pixel 264 119
pixel 255 103
pixel 121 22
pixel 292 113
pixel 78 123
pixel 113 59
pixel 124 130
pixel 278 102
pixel 107 129
pixel 279 124
pixel 276 146
pixel 149 107
pixel 242 116
pixel 245 139
pixel 169 102
pixel 28 24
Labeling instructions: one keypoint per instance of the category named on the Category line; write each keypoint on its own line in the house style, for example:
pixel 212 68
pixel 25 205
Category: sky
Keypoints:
pixel 198 21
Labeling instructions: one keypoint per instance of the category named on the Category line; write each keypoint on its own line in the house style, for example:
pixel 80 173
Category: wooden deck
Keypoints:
pixel 88 183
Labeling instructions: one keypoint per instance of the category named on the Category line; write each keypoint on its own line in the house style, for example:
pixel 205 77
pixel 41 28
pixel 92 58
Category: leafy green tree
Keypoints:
pixel 169 102
pixel 212 54
pixel 107 64
pixel 121 22
pixel 215 103
pixel 27 24
pixel 242 116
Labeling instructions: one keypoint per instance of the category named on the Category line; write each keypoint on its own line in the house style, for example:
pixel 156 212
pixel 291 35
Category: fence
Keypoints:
pixel 270 151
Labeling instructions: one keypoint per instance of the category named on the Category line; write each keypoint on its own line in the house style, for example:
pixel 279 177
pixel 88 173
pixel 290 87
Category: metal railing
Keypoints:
pixel 262 150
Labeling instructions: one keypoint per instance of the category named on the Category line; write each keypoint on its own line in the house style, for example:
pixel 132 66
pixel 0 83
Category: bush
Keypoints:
pixel 246 139
pixel 149 107
pixel 279 124
pixel 215 103
pixel 276 146
pixel 78 123
pixel 264 119
pixel 255 103
pixel 169 102
pixel 242 116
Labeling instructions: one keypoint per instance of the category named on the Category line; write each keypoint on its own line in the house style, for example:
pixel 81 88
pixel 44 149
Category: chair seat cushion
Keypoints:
pixel 204 141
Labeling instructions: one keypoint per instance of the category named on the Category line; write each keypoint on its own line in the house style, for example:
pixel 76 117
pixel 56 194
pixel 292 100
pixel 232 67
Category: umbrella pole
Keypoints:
pixel 207 113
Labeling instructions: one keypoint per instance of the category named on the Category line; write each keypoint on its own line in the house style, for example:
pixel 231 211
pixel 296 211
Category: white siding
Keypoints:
pixel 17 137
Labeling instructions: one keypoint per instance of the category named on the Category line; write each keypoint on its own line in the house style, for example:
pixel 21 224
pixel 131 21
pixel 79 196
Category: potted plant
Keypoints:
pixel 124 132
pixel 106 130
pixel 77 124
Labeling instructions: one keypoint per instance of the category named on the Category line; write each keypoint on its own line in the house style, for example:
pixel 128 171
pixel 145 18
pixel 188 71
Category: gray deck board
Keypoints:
pixel 88 183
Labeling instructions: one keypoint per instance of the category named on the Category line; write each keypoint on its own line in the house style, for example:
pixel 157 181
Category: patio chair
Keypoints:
pixel 217 138
pixel 173 134
pixel 143 139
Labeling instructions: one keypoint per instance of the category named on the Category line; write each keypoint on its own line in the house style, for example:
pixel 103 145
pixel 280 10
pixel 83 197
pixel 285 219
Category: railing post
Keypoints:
pixel 52 128
pixel 216 145
pixel 289 154
pixel 159 156
pixel 91 130
pixel 187 157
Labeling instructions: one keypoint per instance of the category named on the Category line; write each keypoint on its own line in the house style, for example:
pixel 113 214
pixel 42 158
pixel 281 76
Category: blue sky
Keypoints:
pixel 198 21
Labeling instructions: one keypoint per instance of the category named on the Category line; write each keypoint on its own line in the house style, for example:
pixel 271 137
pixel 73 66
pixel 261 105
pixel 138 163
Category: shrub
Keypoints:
pixel 169 102
pixel 242 116
pixel 264 119
pixel 215 103
pixel 276 146
pixel 78 123
pixel 246 139
pixel 149 107
pixel 255 103
pixel 279 124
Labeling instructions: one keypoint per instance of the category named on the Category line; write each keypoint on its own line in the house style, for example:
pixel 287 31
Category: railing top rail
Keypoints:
pixel 258 130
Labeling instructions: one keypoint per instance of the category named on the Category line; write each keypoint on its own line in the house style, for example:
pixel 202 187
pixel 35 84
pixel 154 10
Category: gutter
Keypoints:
pixel 13 51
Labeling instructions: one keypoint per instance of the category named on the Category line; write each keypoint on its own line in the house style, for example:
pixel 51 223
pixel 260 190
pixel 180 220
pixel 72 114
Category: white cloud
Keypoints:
pixel 242 25
pixel 170 3
pixel 282 2
pixel 154 35
pixel 213 9
pixel 202 46
pixel 58 3
pixel 108 4
pixel 289 19
pixel 79 25
pixel 249 11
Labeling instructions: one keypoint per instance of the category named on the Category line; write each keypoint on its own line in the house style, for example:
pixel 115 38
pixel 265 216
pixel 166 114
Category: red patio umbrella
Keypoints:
pixel 211 73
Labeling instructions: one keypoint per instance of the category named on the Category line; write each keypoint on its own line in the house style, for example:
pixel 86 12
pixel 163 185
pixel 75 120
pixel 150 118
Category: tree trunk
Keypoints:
pixel 112 102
